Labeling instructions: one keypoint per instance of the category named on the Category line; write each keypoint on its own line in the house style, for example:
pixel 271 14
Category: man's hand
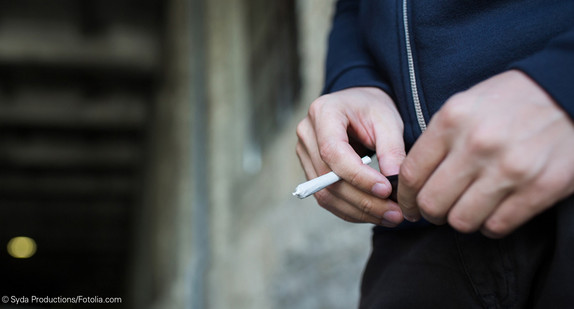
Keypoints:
pixel 492 158
pixel 338 129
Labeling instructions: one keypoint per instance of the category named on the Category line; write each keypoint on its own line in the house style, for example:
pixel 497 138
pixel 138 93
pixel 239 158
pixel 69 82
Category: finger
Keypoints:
pixel 426 154
pixel 353 205
pixel 328 199
pixel 478 202
pixel 305 161
pixel 334 199
pixel 372 209
pixel 390 148
pixel 337 153
pixel 383 209
pixel 308 144
pixel 444 187
pixel 515 210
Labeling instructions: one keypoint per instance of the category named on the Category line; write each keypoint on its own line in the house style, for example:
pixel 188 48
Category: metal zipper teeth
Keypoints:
pixel 412 76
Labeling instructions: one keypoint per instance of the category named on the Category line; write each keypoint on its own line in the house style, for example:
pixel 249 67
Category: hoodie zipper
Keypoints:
pixel 412 74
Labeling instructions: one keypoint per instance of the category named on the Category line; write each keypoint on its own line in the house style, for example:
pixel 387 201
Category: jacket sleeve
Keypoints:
pixel 349 63
pixel 553 69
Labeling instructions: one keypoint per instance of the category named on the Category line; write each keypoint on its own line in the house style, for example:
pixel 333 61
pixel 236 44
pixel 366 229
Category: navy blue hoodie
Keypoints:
pixel 422 52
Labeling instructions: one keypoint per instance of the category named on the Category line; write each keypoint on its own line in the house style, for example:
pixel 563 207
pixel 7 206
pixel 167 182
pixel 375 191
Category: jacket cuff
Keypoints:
pixel 356 76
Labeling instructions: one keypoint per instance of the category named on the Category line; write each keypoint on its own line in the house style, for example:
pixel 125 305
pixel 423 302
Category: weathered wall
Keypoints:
pixel 269 250
pixel 166 257
pixel 220 228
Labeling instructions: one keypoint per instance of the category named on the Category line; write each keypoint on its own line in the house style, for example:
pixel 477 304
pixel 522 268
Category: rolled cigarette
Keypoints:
pixel 312 186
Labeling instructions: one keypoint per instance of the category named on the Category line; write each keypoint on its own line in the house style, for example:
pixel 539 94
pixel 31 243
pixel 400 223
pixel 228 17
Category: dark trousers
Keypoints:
pixel 437 267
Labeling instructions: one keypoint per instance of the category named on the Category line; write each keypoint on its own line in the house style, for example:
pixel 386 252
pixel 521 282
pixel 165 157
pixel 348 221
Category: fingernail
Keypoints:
pixel 381 190
pixel 412 218
pixel 393 216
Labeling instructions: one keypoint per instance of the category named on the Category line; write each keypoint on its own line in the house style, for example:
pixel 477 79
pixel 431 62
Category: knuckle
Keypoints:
pixel 355 179
pixel 366 206
pixel 407 176
pixel 495 228
pixel 364 218
pixel 514 167
pixel 454 112
pixel 429 209
pixel 397 152
pixel 462 223
pixel 301 129
pixel 405 203
pixel 484 140
pixel 328 151
pixel 317 105
pixel 324 198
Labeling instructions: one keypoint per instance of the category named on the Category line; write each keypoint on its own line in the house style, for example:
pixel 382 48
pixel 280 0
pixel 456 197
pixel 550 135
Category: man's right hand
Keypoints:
pixel 339 128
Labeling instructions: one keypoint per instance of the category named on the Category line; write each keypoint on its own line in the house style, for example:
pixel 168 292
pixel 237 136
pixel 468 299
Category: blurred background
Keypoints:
pixel 147 153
